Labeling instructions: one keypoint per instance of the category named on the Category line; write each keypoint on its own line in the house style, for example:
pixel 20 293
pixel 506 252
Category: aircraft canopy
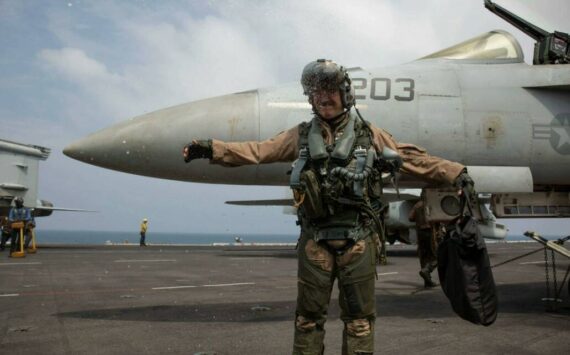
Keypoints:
pixel 494 46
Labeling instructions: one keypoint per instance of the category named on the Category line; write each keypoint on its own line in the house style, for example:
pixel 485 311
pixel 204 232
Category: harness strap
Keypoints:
pixel 298 166
pixel 316 143
pixel 363 138
pixel 360 154
pixel 304 134
pixel 345 143
pixel 380 228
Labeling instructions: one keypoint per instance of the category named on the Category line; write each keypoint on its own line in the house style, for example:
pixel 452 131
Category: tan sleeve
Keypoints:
pixel 417 162
pixel 284 147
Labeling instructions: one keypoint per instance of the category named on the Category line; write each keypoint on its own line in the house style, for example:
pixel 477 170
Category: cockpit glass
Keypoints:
pixel 491 46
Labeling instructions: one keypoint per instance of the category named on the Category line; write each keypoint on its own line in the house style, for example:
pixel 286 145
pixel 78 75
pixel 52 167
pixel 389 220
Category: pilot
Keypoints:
pixel 144 226
pixel 336 181
pixel 19 213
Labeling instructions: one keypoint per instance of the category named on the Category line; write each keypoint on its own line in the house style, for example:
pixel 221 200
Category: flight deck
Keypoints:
pixel 241 300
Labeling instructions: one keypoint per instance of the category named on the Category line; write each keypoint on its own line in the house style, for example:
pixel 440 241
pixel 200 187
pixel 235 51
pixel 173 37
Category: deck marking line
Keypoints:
pixel 144 261
pixel 32 263
pixel 10 295
pixel 210 285
pixel 234 284
pixel 172 287
pixel 388 273
pixel 532 262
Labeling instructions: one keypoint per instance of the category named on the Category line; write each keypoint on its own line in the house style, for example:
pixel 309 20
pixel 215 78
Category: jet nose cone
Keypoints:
pixel 73 150
pixel 77 150
pixel 96 149
pixel 152 144
pixel 138 145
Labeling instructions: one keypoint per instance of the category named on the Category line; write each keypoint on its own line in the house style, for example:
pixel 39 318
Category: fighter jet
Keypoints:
pixel 477 102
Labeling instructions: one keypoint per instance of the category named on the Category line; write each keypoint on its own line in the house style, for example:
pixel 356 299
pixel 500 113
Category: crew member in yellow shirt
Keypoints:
pixel 144 226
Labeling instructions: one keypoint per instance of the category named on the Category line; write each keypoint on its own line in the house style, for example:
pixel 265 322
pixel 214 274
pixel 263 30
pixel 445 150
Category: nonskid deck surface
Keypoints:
pixel 241 300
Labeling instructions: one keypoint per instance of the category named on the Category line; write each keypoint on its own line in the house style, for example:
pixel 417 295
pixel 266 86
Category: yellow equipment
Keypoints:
pixel 20 253
pixel 33 248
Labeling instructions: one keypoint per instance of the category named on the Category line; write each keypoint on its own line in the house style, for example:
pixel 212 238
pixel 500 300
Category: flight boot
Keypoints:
pixel 428 282
pixel 425 274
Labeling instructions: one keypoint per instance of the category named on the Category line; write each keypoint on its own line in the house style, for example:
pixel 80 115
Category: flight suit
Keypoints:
pixel 321 261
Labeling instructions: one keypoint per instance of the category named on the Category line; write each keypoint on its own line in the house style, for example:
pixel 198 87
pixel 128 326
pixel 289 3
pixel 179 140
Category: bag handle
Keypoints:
pixel 464 200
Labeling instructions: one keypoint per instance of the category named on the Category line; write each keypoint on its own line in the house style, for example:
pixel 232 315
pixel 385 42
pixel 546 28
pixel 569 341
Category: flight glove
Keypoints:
pixel 198 149
pixel 466 185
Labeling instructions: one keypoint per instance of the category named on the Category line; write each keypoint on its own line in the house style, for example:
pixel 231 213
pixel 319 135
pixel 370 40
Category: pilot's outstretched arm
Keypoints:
pixel 280 148
pixel 284 147
pixel 417 162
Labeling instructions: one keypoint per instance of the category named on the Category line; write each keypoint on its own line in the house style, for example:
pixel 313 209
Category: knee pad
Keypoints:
pixel 358 327
pixel 305 325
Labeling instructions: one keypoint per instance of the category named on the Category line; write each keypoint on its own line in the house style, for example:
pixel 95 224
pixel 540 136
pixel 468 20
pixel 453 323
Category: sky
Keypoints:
pixel 70 68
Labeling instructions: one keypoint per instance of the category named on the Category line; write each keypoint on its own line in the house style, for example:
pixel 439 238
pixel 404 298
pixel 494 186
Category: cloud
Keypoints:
pixel 199 59
pixel 149 60
pixel 74 64
pixel 85 87
pixel 152 57
pixel 166 59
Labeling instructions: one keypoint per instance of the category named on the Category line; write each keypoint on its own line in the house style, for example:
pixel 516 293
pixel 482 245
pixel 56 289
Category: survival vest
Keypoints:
pixel 335 186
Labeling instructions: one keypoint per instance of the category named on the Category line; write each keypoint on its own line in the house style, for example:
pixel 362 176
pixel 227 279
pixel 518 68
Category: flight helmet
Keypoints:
pixel 324 74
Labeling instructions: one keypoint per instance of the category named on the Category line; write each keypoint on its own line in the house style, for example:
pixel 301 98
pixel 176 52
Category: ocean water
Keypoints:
pixel 100 238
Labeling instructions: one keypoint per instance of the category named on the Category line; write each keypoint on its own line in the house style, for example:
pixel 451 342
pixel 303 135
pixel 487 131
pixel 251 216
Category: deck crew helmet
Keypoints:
pixel 19 202
pixel 324 74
